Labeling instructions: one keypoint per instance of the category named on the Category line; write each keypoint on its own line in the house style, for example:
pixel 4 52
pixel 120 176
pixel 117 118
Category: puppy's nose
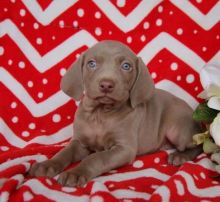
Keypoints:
pixel 106 86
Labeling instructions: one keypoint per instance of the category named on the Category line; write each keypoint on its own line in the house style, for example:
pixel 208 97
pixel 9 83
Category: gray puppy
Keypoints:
pixel 121 115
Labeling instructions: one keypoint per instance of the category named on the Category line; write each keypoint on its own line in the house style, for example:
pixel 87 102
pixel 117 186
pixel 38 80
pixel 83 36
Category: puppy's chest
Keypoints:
pixel 95 133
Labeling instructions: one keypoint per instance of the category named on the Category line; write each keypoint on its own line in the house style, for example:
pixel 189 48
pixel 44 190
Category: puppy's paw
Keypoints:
pixel 47 168
pixel 178 158
pixel 73 177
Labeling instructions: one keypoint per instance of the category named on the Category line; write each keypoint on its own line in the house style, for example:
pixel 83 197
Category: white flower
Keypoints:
pixel 210 74
pixel 210 80
pixel 215 129
pixel 212 93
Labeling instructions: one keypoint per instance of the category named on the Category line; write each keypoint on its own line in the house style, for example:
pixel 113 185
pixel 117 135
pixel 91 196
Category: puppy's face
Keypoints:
pixel 109 73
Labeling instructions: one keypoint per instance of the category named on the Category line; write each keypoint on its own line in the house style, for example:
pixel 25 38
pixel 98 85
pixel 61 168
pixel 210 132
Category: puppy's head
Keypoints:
pixel 110 73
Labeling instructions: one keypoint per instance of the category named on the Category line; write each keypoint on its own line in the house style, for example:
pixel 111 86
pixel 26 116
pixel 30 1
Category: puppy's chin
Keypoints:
pixel 110 99
pixel 105 100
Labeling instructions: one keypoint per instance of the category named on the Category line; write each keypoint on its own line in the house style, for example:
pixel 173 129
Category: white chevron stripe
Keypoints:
pixel 60 136
pixel 210 192
pixel 19 178
pixel 54 195
pixel 179 187
pixel 51 58
pixel 55 8
pixel 177 91
pixel 165 40
pixel 132 175
pixel 4 196
pixel 119 193
pixel 205 21
pixel 126 193
pixel 43 63
pixel 164 193
pixel 37 109
pixel 206 163
pixel 215 59
pixel 22 160
pixel 129 22
pixel 118 177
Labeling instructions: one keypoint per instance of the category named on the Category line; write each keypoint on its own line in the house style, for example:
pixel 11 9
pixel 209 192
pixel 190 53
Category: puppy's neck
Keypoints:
pixel 91 105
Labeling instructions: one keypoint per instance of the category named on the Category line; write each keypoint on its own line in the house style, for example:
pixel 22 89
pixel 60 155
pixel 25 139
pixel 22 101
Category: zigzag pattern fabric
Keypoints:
pixel 40 39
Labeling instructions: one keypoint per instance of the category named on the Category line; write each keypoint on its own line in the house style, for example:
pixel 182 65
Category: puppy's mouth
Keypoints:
pixel 105 99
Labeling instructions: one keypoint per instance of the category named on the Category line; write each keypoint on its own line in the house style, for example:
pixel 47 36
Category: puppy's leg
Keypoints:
pixel 71 153
pixel 96 164
pixel 179 157
pixel 181 138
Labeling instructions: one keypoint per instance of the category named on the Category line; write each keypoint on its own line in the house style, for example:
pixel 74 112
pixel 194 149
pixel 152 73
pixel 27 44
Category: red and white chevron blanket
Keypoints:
pixel 39 39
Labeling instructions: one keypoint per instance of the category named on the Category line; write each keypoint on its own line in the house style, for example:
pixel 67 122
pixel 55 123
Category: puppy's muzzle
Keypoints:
pixel 106 86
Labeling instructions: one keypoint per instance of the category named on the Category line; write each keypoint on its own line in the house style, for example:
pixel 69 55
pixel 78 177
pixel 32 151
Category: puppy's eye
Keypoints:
pixel 92 64
pixel 126 66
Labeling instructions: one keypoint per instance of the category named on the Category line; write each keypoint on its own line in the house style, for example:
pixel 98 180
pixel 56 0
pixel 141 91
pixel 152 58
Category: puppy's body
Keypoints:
pixel 148 127
pixel 120 116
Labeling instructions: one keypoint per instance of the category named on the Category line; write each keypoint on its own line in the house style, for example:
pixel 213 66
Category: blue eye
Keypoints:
pixel 92 64
pixel 126 66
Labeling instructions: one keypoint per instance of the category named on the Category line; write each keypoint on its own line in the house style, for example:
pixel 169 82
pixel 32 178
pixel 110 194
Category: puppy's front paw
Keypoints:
pixel 47 168
pixel 178 158
pixel 74 177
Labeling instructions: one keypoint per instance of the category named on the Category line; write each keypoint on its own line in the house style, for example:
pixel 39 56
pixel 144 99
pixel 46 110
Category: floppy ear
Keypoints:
pixel 72 82
pixel 143 86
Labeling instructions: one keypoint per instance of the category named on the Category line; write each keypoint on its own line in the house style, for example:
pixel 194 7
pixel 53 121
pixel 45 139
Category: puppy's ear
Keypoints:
pixel 143 87
pixel 72 81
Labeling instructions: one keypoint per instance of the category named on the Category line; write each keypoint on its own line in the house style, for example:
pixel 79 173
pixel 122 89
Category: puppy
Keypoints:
pixel 121 115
